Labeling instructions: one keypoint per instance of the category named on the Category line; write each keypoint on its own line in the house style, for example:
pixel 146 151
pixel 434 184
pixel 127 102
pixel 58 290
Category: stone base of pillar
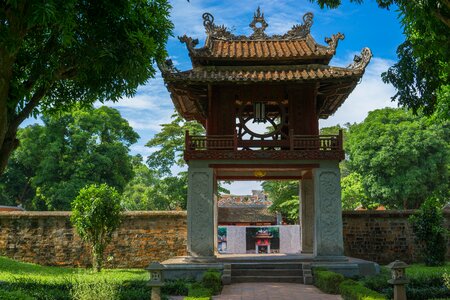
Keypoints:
pixel 329 258
pixel 200 259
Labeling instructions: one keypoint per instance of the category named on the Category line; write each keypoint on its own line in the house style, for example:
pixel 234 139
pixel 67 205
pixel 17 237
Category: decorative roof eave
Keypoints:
pixel 216 74
pixel 187 97
pixel 217 33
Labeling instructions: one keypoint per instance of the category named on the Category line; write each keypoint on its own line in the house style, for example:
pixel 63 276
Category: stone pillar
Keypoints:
pixel 307 215
pixel 328 240
pixel 200 212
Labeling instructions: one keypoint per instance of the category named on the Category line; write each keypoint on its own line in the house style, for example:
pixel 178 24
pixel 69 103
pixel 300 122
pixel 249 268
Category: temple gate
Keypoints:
pixel 260 98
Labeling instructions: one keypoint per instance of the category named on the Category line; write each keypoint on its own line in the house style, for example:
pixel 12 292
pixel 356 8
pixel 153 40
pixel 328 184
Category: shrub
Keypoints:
pixel 327 281
pixel 176 287
pixel 88 290
pixel 199 291
pixel 96 215
pixel 446 278
pixel 212 280
pixel 427 224
pixel 352 290
pixel 15 295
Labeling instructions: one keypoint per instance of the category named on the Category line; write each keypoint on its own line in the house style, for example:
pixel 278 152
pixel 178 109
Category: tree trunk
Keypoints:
pixel 9 143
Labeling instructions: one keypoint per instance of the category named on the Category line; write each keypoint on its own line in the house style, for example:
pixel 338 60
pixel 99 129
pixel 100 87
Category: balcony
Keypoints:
pixel 296 147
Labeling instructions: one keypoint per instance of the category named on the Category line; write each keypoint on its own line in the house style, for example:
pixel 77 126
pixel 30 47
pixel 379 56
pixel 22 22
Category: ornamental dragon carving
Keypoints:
pixel 298 31
pixel 360 62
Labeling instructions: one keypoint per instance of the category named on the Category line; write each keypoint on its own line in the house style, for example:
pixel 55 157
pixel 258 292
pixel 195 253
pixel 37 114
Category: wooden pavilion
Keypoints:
pixel 260 98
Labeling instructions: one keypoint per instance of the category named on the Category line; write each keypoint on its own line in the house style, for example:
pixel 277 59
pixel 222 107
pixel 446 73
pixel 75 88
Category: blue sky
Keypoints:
pixel 363 25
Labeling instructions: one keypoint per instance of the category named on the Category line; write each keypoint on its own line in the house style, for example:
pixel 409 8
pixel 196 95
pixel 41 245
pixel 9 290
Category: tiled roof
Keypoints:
pixel 248 214
pixel 263 74
pixel 263 49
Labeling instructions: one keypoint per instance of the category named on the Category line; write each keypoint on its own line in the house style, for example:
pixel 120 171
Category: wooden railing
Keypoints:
pixel 294 143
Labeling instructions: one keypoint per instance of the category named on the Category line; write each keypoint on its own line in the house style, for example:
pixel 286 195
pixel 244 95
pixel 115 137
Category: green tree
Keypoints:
pixel 96 215
pixel 402 158
pixel 56 160
pixel 148 191
pixel 284 197
pixel 58 52
pixel 422 73
pixel 431 235
pixel 353 193
pixel 170 144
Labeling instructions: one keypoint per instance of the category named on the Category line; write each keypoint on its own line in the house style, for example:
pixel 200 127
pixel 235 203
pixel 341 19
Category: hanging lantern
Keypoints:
pixel 259 110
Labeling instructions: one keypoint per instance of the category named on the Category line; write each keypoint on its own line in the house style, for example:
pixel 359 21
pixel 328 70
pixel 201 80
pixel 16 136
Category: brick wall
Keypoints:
pixel 382 236
pixel 48 238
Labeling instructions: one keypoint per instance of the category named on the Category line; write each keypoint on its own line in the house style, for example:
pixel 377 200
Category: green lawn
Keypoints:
pixel 57 283
pixel 11 270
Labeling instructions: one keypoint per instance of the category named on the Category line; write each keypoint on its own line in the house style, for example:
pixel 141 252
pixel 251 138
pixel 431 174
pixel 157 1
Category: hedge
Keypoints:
pixel 327 281
pixel 352 290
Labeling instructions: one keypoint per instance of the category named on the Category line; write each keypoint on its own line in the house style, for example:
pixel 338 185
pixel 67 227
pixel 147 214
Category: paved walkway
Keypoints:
pixel 273 291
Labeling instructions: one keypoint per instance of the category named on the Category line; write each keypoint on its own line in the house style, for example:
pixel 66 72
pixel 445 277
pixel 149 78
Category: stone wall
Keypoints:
pixel 382 236
pixel 48 238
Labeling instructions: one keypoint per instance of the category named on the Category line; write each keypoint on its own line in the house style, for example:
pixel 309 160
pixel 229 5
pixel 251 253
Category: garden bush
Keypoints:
pixel 352 290
pixel 199 291
pixel 212 280
pixel 88 290
pixel 431 235
pixel 327 281
pixel 177 287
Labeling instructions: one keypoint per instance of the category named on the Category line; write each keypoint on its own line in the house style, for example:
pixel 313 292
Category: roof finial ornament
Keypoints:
pixel 333 41
pixel 360 62
pixel 258 31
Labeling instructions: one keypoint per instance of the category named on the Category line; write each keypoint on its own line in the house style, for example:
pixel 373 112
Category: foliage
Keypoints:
pixel 55 283
pixel 352 290
pixel 176 287
pixel 425 282
pixel 170 141
pixel 57 53
pixel 55 160
pixel 446 278
pixel 401 158
pixel 327 281
pixel 421 75
pixel 212 280
pixel 100 290
pixel 197 290
pixel 15 295
pixel 279 192
pixel 148 191
pixel 431 235
pixel 96 215
pixel 353 193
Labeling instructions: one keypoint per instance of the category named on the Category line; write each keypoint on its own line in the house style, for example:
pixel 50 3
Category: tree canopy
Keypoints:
pixel 55 160
pixel 422 73
pixel 402 158
pixel 59 52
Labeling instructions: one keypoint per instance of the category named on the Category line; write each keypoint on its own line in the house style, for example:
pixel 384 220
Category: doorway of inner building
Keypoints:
pixel 250 223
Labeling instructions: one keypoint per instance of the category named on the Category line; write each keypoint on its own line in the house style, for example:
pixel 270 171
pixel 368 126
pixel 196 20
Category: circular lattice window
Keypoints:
pixel 275 120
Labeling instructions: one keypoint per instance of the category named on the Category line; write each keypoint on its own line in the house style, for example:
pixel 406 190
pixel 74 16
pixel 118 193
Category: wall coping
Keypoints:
pixel 66 214
pixel 384 213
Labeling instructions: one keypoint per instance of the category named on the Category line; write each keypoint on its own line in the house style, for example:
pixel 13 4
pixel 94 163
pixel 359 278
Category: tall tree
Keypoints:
pixel 422 73
pixel 402 158
pixel 56 160
pixel 58 52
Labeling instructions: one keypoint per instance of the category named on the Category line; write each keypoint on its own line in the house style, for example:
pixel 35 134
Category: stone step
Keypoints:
pixel 290 266
pixel 264 272
pixel 293 279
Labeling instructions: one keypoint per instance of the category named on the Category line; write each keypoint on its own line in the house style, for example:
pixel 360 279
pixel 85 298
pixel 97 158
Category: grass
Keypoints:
pixel 11 271
pixel 60 283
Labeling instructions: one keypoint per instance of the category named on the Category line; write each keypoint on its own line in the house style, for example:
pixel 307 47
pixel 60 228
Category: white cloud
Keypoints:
pixel 243 187
pixel 369 95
